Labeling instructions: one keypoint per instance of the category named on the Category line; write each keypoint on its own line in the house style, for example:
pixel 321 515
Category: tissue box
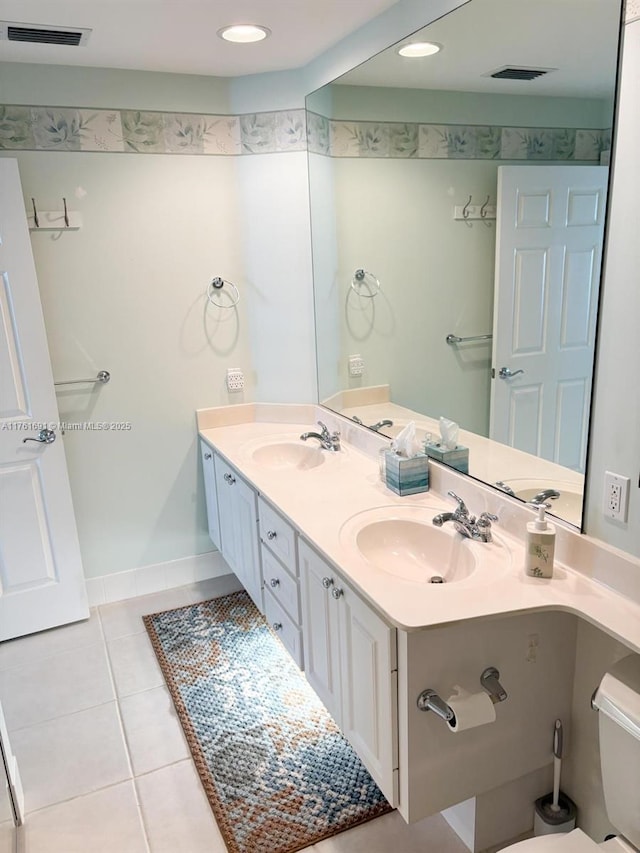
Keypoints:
pixel 457 458
pixel 407 476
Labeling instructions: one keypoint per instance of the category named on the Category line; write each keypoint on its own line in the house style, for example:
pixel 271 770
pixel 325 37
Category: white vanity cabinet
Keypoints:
pixel 280 574
pixel 237 505
pixel 351 663
pixel 211 496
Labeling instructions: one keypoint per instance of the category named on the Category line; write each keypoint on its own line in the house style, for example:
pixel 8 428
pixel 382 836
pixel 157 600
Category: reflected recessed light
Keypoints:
pixel 420 48
pixel 244 33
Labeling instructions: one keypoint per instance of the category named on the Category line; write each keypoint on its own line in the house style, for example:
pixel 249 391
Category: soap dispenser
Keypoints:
pixel 540 545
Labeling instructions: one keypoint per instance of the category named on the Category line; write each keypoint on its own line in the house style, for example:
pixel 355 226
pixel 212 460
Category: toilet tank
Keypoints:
pixel 618 701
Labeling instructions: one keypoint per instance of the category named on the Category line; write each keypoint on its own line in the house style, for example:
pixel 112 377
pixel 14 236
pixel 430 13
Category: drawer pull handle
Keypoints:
pixel 271 534
pixel 207 456
pixel 277 626
pixel 327 582
pixel 274 582
pixel 336 593
pixel 229 479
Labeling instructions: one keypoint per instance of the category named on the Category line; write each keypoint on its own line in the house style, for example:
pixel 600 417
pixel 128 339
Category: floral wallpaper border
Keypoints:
pixel 32 128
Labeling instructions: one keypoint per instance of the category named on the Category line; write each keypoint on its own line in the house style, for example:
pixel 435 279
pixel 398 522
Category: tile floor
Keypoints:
pixel 104 763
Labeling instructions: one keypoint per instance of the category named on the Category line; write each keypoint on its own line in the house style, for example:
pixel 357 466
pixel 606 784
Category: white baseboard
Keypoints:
pixel 155 578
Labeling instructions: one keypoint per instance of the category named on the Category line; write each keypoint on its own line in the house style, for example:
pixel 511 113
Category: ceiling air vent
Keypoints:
pixel 512 72
pixel 43 34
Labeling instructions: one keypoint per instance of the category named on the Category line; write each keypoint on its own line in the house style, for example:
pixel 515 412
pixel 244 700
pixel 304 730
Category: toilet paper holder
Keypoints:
pixel 429 700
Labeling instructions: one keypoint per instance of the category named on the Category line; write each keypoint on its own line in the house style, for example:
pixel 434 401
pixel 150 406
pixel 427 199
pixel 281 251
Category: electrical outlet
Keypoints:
pixel 356 365
pixel 235 379
pixel 616 496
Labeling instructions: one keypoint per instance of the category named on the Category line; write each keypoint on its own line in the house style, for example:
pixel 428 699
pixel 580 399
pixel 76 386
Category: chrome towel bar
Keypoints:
pixel 103 377
pixel 454 339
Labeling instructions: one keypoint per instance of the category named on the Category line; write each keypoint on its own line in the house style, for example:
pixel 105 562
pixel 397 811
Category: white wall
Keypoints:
pixel 615 425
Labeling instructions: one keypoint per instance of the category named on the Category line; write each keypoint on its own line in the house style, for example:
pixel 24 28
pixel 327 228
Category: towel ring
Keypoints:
pixel 217 284
pixel 363 277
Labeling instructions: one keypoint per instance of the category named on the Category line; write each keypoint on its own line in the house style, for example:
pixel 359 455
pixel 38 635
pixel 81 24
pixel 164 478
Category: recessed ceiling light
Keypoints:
pixel 244 33
pixel 420 48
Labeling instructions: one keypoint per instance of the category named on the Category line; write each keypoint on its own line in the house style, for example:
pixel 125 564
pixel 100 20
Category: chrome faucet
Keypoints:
pixel 328 440
pixel 375 427
pixel 545 495
pixel 505 488
pixel 468 525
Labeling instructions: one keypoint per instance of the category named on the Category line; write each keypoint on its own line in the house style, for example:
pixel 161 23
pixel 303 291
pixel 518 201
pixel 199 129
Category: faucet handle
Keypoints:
pixel 462 507
pixel 325 431
pixel 486 518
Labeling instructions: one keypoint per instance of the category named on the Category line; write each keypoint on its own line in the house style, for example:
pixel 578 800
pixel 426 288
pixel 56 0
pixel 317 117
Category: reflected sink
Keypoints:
pixel 416 551
pixel 288 454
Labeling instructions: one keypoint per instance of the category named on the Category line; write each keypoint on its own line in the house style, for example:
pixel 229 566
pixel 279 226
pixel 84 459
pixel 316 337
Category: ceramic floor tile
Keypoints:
pixel 390 832
pixel 70 756
pixel 46 644
pixel 211 588
pixel 153 730
pixel 125 617
pixel 103 822
pixel 176 812
pixel 67 682
pixel 7 836
pixel 134 664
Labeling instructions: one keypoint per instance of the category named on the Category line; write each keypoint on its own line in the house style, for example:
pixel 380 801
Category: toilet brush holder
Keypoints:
pixel 547 821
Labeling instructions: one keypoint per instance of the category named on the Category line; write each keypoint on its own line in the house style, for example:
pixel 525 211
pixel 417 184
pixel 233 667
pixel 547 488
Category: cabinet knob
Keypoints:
pixel 274 582
pixel 271 534
pixel 277 626
pixel 207 456
pixel 229 479
pixel 336 593
pixel 327 582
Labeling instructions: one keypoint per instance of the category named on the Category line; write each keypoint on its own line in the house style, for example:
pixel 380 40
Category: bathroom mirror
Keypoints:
pixel 457 205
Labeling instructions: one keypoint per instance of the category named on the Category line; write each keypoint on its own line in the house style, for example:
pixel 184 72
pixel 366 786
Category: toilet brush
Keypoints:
pixel 557 763
pixel 555 812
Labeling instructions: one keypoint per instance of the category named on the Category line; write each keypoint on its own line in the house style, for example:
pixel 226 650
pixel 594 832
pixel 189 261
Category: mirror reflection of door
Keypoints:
pixel 549 238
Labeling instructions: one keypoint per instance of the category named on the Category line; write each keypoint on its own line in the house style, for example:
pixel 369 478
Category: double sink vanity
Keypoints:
pixel 376 604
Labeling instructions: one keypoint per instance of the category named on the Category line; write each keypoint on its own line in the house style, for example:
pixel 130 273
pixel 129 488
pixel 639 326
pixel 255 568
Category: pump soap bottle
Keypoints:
pixel 540 545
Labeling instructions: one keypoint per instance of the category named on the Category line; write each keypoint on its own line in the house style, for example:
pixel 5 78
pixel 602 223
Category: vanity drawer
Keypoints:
pixel 277 534
pixel 280 584
pixel 285 629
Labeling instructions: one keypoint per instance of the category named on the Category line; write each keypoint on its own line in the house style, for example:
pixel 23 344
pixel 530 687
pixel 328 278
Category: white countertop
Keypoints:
pixel 320 501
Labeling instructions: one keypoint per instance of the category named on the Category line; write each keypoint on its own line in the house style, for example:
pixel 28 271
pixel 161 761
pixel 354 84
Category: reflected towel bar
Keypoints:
pixel 103 376
pixel 454 339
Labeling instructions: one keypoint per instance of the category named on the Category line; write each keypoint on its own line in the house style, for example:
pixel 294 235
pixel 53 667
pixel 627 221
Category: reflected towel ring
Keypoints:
pixel 218 283
pixel 368 279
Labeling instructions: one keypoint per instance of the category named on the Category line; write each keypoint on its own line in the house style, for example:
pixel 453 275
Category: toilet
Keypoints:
pixel 617 700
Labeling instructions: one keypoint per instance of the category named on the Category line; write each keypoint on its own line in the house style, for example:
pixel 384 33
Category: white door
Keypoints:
pixel 41 578
pixel 549 235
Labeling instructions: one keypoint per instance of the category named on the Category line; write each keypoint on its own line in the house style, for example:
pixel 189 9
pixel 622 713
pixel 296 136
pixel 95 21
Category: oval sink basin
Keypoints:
pixel 288 454
pixel 416 551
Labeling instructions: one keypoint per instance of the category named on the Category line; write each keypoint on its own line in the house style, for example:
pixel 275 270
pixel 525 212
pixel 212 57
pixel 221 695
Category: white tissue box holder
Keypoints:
pixel 407 476
pixel 457 458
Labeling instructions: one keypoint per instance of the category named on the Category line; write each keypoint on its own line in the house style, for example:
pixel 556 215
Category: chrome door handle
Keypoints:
pixel 45 436
pixel 505 373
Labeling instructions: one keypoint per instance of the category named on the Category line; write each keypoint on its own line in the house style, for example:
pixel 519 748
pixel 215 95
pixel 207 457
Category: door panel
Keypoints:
pixel 548 260
pixel 41 578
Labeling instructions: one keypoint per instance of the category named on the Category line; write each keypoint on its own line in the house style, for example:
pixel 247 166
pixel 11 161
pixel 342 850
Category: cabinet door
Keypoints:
pixel 247 550
pixel 210 493
pixel 369 689
pixel 320 628
pixel 238 515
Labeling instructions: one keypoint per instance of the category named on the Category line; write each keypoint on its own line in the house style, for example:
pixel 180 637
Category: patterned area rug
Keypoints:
pixel 277 771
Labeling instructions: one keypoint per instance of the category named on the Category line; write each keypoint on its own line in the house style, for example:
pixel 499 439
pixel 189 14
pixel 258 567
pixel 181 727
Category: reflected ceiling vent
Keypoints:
pixel 513 72
pixel 43 34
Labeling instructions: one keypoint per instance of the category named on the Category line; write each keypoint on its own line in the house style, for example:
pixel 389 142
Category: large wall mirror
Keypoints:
pixel 458 205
